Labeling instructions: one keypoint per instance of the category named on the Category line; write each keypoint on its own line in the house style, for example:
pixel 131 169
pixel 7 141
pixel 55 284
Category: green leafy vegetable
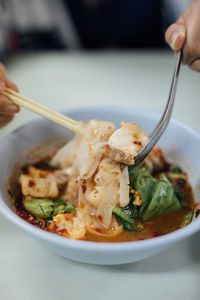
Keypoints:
pixel 40 208
pixel 163 199
pixel 69 208
pixel 130 209
pixel 125 217
pixel 118 211
pixel 144 183
pixel 187 219
pixel 136 172
pixel 59 207
pixel 128 226
pixel 158 195
pixel 46 208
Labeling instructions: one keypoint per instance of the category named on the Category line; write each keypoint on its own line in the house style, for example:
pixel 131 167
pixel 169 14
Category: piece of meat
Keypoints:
pixel 34 172
pixel 38 187
pixel 69 225
pixel 59 175
pixel 125 143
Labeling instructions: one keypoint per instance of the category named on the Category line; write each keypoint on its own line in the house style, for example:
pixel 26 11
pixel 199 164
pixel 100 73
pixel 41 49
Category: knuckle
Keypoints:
pixel 193 49
pixel 196 65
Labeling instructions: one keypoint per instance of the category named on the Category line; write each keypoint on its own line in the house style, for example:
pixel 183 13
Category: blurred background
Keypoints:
pixel 71 53
pixel 35 25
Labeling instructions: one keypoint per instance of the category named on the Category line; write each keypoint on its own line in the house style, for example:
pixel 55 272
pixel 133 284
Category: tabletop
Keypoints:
pixel 64 80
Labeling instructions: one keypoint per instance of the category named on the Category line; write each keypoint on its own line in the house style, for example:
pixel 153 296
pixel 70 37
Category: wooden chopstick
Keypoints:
pixel 41 110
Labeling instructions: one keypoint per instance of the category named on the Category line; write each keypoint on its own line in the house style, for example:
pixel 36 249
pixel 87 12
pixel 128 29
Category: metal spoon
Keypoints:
pixel 164 121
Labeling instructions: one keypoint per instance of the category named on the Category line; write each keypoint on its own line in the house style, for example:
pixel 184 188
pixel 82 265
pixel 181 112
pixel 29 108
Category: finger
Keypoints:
pixel 3 78
pixel 7 107
pixel 5 119
pixel 3 70
pixel 175 36
pixel 192 46
pixel 195 65
pixel 11 85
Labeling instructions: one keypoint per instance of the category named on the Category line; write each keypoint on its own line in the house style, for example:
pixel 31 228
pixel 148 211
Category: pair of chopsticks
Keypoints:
pixel 41 110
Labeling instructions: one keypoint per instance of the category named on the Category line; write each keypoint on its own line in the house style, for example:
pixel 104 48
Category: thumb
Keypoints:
pixel 175 36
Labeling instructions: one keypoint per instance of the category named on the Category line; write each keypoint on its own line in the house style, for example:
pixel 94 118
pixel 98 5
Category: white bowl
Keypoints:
pixel 180 143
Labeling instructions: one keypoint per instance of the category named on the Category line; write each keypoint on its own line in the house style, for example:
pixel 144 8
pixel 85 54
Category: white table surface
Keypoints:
pixel 27 270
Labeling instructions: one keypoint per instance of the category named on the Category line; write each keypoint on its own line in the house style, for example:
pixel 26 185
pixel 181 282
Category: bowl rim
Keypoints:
pixel 90 246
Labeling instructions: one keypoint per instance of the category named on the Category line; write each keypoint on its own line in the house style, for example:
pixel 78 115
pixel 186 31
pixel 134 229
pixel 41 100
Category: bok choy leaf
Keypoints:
pixel 125 216
pixel 158 195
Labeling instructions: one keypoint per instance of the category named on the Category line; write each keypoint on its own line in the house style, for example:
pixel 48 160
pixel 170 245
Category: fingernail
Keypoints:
pixel 11 109
pixel 174 39
pixel 177 40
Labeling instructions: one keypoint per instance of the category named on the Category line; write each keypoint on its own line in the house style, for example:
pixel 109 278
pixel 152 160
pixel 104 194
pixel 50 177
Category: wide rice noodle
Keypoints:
pixel 102 182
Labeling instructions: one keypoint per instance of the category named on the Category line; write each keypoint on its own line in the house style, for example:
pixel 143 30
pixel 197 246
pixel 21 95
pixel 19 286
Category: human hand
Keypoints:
pixel 7 108
pixel 185 34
